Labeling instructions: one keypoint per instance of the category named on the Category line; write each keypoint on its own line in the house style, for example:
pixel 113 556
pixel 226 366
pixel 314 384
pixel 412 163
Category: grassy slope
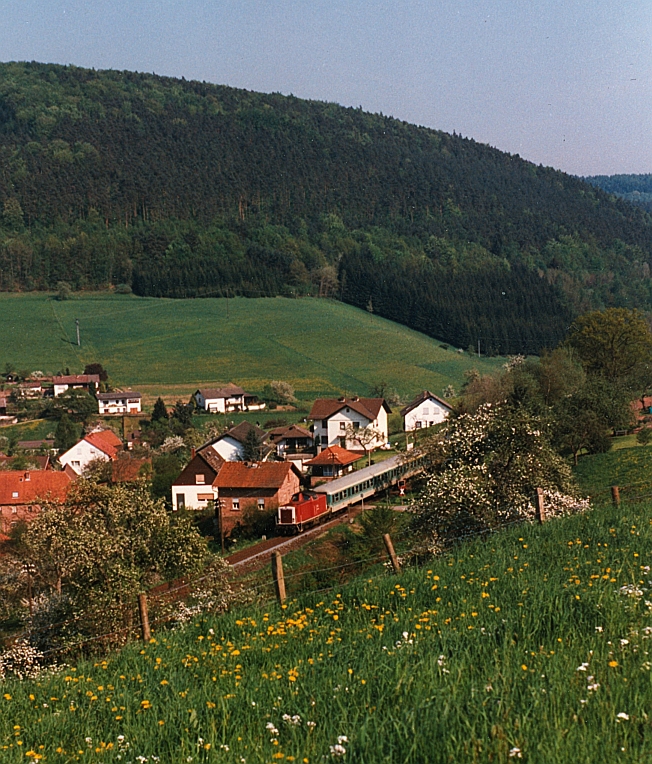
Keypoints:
pixel 628 468
pixel 172 346
pixel 514 618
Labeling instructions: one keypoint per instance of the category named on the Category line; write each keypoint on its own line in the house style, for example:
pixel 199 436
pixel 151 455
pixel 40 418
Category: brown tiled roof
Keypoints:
pixel 106 441
pixel 126 470
pixel 77 379
pixel 32 485
pixel 324 408
pixel 334 455
pixel 256 475
pixel 424 396
pixel 641 403
pixel 32 445
pixel 289 431
pixel 117 395
pixel 212 458
pixel 198 465
pixel 221 392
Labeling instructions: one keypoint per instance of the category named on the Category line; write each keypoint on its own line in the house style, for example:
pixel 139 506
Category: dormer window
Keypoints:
pixel 14 494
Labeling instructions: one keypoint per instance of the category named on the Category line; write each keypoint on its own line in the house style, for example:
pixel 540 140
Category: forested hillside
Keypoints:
pixel 180 188
pixel 635 188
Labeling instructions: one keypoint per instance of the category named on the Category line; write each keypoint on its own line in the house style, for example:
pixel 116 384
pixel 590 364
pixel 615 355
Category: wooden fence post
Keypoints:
pixel 392 554
pixel 615 495
pixel 144 617
pixel 279 579
pixel 541 509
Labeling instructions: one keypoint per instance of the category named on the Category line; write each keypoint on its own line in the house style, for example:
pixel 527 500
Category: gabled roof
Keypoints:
pixel 334 455
pixel 254 475
pixel 198 465
pixel 288 431
pixel 77 379
pixel 117 396
pixel 129 469
pixel 30 445
pixel 424 396
pixel 25 487
pixel 106 441
pixel 324 408
pixel 212 458
pixel 221 392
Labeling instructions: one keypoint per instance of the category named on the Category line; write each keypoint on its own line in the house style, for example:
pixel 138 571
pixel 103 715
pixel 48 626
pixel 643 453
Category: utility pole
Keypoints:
pixel 77 325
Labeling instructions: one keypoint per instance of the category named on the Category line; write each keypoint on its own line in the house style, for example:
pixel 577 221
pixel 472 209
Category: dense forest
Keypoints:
pixel 187 189
pixel 635 188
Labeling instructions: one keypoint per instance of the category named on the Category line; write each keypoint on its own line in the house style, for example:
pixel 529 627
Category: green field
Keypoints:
pixel 628 468
pixel 533 644
pixel 170 347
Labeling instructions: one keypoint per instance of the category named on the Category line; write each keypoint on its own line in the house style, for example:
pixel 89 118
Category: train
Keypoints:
pixel 311 507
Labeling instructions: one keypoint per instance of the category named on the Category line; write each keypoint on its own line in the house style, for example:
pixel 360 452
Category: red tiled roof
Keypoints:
pixel 256 475
pixel 77 379
pixel 126 470
pixel 641 403
pixel 424 396
pixel 106 441
pixel 334 455
pixel 25 487
pixel 324 408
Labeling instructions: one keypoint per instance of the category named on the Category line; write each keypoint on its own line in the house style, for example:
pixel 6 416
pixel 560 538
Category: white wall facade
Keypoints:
pixel 193 496
pixel 334 431
pixel 120 406
pixel 426 414
pixel 230 449
pixel 81 455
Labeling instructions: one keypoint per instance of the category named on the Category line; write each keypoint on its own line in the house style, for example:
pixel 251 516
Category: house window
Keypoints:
pixel 324 440
pixel 342 425
pixel 14 494
pixel 417 424
pixel 14 510
pixel 327 470
pixel 199 480
pixel 342 442
pixel 356 425
pixel 426 411
pixel 75 463
pixel 261 503
pixel 235 505
pixel 181 501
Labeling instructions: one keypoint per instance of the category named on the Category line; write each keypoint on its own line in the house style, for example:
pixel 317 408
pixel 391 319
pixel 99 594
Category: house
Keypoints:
pixel 291 439
pixel 30 389
pixel 336 418
pixel 227 399
pixel 104 445
pixel 75 381
pixel 331 463
pixel 119 402
pixel 3 405
pixel 230 446
pixel 128 469
pixel 21 493
pixel 40 462
pixel 36 445
pixel 261 485
pixel 424 411
pixel 193 489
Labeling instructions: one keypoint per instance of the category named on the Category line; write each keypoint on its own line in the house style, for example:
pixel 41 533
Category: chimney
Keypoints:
pixel 355 398
pixel 27 477
pixel 193 452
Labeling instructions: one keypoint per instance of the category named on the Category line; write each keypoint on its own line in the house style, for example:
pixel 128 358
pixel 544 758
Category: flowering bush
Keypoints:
pixel 489 465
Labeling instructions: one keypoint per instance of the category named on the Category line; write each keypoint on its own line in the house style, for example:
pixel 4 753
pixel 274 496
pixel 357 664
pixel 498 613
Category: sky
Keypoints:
pixel 563 83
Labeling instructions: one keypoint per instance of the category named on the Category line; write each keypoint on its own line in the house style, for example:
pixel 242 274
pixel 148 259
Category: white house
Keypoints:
pixel 424 411
pixel 226 399
pixel 335 419
pixel 193 489
pixel 104 445
pixel 75 381
pixel 230 445
pixel 119 403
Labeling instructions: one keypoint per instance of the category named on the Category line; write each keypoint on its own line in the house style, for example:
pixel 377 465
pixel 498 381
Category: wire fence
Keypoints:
pixel 160 599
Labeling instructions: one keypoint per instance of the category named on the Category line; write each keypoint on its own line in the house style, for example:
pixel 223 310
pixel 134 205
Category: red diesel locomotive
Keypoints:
pixel 305 509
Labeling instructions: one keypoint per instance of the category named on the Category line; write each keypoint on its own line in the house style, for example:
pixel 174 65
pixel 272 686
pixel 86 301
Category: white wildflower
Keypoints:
pixel 338 750
pixel 622 716
pixel 515 753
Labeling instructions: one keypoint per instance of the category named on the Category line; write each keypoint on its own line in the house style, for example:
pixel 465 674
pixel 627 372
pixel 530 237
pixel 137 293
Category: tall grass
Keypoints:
pixel 532 645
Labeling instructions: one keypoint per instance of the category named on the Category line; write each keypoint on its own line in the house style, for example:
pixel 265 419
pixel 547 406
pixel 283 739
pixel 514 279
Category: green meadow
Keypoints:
pixel 170 347
pixel 531 645
pixel 628 468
